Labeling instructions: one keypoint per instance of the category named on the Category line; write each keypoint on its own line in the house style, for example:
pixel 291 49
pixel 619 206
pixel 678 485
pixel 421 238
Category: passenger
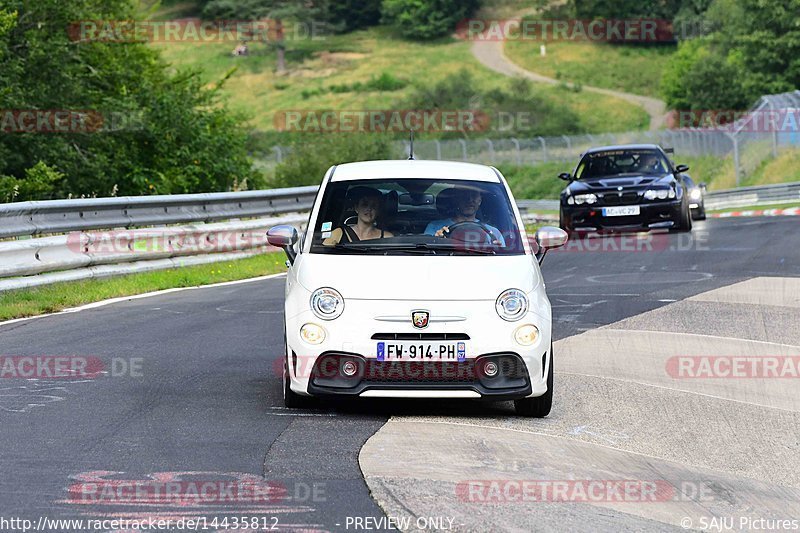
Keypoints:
pixel 366 203
pixel 467 201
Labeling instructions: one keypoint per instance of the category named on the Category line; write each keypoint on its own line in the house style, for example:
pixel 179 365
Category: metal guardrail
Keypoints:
pixel 60 216
pixel 758 195
pixel 37 261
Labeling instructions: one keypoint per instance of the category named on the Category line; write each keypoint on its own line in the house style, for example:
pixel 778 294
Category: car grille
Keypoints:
pixel 419 372
pixel 613 198
pixel 420 337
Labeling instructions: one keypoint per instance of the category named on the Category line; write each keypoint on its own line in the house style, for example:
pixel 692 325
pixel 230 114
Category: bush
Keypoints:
pixel 312 155
pixel 38 183
pixel 518 110
pixel 162 132
pixel 426 19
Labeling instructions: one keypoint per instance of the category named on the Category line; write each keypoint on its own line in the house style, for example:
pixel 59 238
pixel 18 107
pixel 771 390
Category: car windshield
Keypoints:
pixel 616 162
pixel 416 216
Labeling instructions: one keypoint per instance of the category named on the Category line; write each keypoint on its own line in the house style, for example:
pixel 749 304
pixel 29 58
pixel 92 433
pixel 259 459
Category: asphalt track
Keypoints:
pixel 206 404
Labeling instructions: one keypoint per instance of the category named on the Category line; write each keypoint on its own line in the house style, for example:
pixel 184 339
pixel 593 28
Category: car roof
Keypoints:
pixel 623 147
pixel 415 168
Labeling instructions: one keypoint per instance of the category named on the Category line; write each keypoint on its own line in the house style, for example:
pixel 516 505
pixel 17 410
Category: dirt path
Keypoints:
pixel 491 54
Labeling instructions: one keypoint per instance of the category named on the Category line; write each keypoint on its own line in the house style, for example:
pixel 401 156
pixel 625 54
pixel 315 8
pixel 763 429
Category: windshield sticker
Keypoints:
pixel 326 234
pixel 326 226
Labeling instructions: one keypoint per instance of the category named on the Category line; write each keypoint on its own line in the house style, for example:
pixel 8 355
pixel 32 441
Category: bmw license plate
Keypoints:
pixel 421 351
pixel 621 211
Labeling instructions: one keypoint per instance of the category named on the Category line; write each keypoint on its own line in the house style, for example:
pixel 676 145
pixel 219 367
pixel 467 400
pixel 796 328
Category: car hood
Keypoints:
pixel 614 182
pixel 371 277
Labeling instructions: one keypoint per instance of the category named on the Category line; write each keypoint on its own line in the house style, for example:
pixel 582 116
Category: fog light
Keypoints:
pixel 490 369
pixel 312 333
pixel 349 368
pixel 526 335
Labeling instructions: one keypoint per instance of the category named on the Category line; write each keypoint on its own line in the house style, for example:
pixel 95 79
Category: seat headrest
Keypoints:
pixel 446 202
pixel 391 203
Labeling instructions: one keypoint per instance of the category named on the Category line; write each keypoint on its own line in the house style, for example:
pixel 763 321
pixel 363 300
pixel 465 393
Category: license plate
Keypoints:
pixel 421 351
pixel 621 211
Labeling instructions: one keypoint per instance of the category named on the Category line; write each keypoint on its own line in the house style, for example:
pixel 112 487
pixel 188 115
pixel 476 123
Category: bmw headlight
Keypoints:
pixel 695 194
pixel 327 303
pixel 585 198
pixel 661 194
pixel 512 305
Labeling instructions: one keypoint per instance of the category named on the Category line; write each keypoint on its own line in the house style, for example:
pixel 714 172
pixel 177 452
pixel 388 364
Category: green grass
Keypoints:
pixel 538 182
pixel 718 172
pixel 628 68
pixel 316 65
pixel 59 296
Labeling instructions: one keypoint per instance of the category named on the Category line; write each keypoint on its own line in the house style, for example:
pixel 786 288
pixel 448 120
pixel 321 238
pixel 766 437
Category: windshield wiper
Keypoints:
pixel 412 247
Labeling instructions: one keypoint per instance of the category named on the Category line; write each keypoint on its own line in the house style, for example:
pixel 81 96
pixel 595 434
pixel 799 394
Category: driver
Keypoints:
pixel 650 163
pixel 467 202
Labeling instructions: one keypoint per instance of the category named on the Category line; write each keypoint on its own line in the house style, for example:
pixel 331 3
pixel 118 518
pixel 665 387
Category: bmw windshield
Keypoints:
pixel 416 216
pixel 621 162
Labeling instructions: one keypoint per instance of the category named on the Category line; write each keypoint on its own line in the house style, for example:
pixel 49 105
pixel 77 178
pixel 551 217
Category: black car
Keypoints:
pixel 697 200
pixel 625 188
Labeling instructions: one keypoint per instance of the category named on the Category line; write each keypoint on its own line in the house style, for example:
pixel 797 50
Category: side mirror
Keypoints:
pixel 566 176
pixel 548 237
pixel 284 237
pixel 681 168
pixel 702 185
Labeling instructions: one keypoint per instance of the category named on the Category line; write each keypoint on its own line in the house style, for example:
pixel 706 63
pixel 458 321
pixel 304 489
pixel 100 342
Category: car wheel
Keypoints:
pixel 684 222
pixel 538 407
pixel 562 224
pixel 291 399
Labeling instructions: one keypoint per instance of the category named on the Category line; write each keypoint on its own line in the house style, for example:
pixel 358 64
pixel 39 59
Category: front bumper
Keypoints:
pixel 353 337
pixel 652 215
pixel 437 379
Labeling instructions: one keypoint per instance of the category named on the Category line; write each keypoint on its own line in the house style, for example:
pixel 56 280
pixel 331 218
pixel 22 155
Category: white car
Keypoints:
pixel 416 279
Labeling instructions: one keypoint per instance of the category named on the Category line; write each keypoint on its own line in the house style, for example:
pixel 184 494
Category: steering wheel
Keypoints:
pixel 468 230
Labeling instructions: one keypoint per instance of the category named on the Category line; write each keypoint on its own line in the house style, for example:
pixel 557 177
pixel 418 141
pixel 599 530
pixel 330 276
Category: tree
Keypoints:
pixel 426 19
pixel 754 49
pixel 157 132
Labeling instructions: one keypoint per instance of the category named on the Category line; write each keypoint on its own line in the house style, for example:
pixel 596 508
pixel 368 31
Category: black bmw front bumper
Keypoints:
pixel 652 215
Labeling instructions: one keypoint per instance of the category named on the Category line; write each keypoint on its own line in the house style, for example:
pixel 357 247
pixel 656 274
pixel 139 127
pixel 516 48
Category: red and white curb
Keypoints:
pixel 791 212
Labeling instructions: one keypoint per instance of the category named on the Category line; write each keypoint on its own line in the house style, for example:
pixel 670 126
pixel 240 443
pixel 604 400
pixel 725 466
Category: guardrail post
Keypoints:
pixel 569 143
pixel 463 149
pixel 278 154
pixel 438 149
pixel 491 150
pixel 516 145
pixel 736 164
pixel 544 148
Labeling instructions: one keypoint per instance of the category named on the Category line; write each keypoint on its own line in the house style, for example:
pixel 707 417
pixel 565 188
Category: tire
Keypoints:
pixel 684 222
pixel 538 407
pixel 291 399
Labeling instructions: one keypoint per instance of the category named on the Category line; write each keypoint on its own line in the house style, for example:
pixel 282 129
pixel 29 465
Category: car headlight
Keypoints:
pixel 312 333
pixel 695 194
pixel 327 303
pixel 585 198
pixel 512 305
pixel 526 335
pixel 570 200
pixel 661 194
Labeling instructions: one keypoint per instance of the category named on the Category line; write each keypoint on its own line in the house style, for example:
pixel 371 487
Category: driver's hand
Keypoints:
pixel 442 231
